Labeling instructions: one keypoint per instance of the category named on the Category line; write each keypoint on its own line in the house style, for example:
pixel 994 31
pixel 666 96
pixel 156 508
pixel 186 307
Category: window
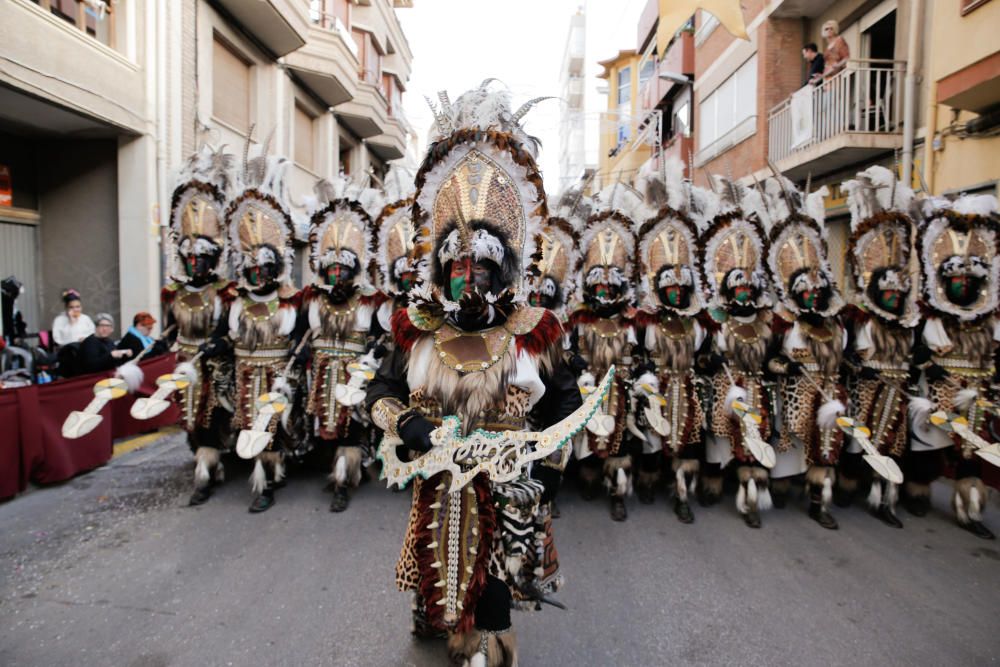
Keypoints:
pixel 230 86
pixel 368 57
pixel 624 85
pixel 729 105
pixel 328 12
pixel 304 141
pixel 94 17
pixel 344 156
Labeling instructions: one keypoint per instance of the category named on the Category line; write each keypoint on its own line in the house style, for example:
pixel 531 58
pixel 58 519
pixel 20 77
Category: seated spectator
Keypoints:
pixel 816 64
pixel 138 337
pixel 97 351
pixel 72 326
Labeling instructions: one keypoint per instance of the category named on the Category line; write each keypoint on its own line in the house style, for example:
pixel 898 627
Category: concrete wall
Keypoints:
pixel 78 203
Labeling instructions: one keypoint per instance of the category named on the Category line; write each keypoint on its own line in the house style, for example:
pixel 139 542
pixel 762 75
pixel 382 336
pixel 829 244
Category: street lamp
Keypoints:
pixel 675 77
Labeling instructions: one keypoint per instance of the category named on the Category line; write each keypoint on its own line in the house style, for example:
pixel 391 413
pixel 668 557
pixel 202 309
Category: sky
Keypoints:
pixel 458 43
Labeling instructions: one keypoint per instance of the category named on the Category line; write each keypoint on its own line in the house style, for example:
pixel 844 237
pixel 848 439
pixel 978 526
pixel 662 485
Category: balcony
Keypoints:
pixel 574 91
pixel 853 116
pixel 367 114
pixel 280 25
pixel 678 59
pixel 391 144
pixel 801 9
pixel 328 63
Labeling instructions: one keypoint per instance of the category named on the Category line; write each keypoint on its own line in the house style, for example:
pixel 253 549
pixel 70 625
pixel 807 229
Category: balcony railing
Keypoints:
pixel 864 98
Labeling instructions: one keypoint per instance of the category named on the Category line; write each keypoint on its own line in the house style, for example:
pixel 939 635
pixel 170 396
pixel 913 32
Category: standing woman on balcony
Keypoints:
pixel 837 52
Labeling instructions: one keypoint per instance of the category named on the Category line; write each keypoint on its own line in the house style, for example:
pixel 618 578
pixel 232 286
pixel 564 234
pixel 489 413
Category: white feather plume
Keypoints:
pixel 132 374
pixel 827 415
pixel 735 393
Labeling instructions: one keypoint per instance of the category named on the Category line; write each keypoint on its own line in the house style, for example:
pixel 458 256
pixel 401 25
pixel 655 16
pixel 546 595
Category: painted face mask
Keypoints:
pixel 337 274
pixel 460 278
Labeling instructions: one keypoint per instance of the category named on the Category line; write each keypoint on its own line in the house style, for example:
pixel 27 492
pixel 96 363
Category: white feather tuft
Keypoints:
pixel 875 495
pixel 188 371
pixel 827 490
pixel 964 398
pixel 340 471
pixel 764 501
pixel 984 205
pixel 741 500
pixel 920 409
pixel 621 483
pixel 826 418
pixel 735 393
pixel 751 493
pixel 258 479
pixel 132 374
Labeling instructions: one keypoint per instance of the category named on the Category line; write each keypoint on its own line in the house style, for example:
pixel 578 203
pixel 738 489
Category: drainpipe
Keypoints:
pixel 909 89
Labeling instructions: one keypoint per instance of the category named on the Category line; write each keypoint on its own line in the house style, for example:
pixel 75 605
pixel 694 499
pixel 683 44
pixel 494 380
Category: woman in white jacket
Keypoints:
pixel 72 326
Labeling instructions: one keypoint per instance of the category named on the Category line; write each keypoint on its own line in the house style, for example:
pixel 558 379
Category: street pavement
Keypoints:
pixel 113 569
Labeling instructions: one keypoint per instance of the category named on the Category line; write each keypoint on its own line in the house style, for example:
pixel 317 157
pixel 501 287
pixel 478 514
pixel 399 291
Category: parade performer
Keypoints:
pixel 604 332
pixel 399 269
pixel 810 341
pixel 196 301
pixel 262 319
pixel 669 410
pixel 339 307
pixel 882 322
pixel 468 346
pixel 732 254
pixel 957 244
pixel 558 255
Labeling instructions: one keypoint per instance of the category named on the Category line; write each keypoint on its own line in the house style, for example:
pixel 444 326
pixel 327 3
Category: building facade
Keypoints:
pixel 94 126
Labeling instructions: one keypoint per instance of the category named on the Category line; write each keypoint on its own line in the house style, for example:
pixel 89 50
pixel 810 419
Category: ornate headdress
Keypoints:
pixel 881 240
pixel 735 240
pixel 961 237
pixel 396 233
pixel 479 193
pixel 259 220
pixel 339 233
pixel 668 240
pixel 608 239
pixel 196 208
pixel 797 257
pixel 558 253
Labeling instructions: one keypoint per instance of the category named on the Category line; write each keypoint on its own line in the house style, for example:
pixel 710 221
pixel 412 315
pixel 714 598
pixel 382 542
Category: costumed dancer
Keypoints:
pixel 809 344
pixel 604 333
pixel 467 345
pixel 670 411
pixel 399 269
pixel 732 255
pixel 196 301
pixel 262 319
pixel 339 307
pixel 881 325
pixel 959 249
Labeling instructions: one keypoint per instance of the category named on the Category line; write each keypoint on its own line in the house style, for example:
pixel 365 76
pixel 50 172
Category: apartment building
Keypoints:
pixel 624 141
pixel 94 125
pixel 751 106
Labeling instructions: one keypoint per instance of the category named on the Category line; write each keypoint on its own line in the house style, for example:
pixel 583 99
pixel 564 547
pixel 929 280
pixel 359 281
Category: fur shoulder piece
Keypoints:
pixel 709 323
pixel 289 297
pixel 645 317
pixel 781 324
pixel 582 315
pixel 227 290
pixel 169 293
pixel 855 315
pixel 375 299
pixel 404 332
pixel 536 330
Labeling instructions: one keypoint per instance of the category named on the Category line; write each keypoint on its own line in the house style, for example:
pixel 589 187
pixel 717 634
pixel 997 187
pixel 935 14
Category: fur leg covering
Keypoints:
pixel 822 477
pixel 685 469
pixel 267 462
pixel 258 478
pixel 969 499
pixel 753 494
pixel 618 475
pixel 206 462
pixel 875 494
pixel 483 649
pixel 917 490
pixel 347 467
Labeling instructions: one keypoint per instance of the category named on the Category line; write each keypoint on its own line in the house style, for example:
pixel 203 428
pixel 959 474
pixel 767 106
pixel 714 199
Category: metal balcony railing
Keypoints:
pixel 864 98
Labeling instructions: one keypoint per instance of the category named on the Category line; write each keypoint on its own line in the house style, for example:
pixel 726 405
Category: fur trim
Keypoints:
pixel 132 374
pixel 617 475
pixel 826 417
pixel 917 490
pixel 968 498
pixel 347 467
pixel 546 333
pixel 875 494
pixel 258 478
pixel 206 460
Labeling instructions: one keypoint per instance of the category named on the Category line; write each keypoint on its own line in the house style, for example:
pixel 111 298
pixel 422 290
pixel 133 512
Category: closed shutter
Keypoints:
pixel 230 86
pixel 304 143
pixel 18 253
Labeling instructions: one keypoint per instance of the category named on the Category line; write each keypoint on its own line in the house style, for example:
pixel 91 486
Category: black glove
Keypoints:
pixel 378 350
pixel 209 349
pixel 868 373
pixel 577 364
pixel 793 368
pixel 302 356
pixel 710 363
pixel 921 355
pixel 550 478
pixel 415 432
pixel 935 372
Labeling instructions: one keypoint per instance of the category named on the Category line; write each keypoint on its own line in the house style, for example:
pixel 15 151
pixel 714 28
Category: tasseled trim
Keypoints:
pixel 429 573
pixel 547 332
pixel 374 300
pixel 168 294
pixel 851 314
pixel 780 325
pixel 293 301
pixel 404 333
pixel 228 291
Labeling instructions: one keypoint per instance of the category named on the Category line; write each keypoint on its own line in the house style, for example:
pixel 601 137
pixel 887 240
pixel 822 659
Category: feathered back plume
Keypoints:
pixel 622 199
pixel 398 184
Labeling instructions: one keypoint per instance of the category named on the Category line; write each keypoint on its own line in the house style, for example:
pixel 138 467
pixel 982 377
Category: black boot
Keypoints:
pixel 917 505
pixel 819 513
pixel 200 496
pixel 618 511
pixel 263 502
pixel 683 511
pixel 340 499
pixel 752 518
pixel 885 513
pixel 979 530
pixel 647 496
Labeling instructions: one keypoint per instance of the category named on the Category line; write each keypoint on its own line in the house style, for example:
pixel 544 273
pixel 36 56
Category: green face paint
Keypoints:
pixel 808 299
pixel 957 286
pixel 741 295
pixel 890 299
pixel 673 296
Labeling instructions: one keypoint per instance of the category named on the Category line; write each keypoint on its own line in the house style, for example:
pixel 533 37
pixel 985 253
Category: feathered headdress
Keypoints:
pixel 797 257
pixel 397 234
pixel 608 238
pixel 339 232
pixel 260 215
pixel 479 192
pixel 668 239
pixel 961 237
pixel 879 247
pixel 735 240
pixel 197 205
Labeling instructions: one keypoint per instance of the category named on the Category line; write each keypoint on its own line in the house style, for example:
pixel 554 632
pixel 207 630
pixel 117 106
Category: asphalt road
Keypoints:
pixel 113 569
